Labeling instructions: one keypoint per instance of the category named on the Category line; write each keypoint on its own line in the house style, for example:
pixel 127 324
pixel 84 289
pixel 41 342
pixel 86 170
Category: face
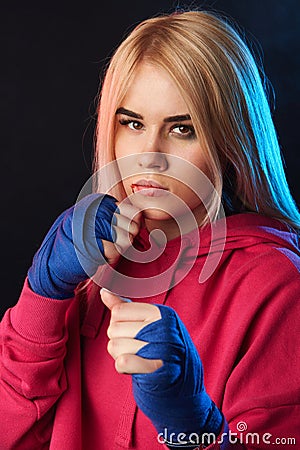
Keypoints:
pixel 155 133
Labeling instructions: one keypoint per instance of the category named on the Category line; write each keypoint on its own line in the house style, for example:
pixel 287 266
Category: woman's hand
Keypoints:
pixel 127 320
pixel 151 343
pixel 94 231
pixel 126 226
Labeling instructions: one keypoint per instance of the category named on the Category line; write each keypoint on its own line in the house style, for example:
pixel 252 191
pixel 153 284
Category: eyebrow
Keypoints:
pixel 178 118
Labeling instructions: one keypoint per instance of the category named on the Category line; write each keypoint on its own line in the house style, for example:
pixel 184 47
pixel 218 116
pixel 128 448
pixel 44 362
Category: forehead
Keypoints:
pixel 153 89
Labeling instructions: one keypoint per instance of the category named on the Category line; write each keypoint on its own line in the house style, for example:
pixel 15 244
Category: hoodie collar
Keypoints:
pixel 238 231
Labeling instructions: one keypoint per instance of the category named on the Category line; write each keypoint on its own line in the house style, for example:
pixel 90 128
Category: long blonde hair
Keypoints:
pixel 222 87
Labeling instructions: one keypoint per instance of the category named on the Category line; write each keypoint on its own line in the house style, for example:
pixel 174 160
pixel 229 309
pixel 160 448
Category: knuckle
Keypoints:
pixel 107 246
pixel 110 331
pixel 134 229
pixel 123 240
pixel 112 347
pixel 122 363
pixel 115 312
pixel 110 250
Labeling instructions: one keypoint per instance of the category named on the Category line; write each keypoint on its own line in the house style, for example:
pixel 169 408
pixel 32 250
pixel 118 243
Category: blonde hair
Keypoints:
pixel 222 87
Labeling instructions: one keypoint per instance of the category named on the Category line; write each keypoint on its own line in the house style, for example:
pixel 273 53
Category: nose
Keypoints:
pixel 153 160
pixel 152 157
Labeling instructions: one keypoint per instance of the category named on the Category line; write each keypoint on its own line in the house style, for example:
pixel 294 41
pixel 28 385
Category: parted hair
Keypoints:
pixel 225 91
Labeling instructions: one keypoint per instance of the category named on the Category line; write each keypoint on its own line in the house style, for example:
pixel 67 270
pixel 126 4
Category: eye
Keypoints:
pixel 132 124
pixel 184 131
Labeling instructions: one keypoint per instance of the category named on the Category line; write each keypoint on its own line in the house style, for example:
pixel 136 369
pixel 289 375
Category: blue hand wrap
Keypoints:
pixel 174 396
pixel 59 264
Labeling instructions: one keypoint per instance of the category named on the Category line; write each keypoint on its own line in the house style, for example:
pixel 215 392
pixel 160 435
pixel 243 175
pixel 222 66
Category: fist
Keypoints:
pixel 127 319
pixel 126 225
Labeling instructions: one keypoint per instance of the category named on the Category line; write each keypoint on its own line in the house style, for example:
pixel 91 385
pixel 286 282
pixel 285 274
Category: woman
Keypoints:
pixel 196 354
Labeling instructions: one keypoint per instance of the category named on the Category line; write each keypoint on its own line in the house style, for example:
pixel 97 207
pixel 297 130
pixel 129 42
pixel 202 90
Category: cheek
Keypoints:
pixel 124 161
pixel 125 143
pixel 127 168
pixel 121 144
pixel 120 150
pixel 127 186
pixel 193 185
pixel 187 195
pixel 198 159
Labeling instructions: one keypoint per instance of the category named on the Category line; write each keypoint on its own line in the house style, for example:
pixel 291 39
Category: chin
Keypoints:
pixel 156 214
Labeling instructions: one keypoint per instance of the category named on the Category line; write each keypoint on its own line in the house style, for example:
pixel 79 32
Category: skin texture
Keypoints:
pixel 125 230
pixel 144 128
pixel 151 137
pixel 127 319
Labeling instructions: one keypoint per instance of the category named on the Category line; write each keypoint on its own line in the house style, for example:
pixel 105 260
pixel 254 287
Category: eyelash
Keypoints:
pixel 190 135
pixel 191 131
pixel 128 121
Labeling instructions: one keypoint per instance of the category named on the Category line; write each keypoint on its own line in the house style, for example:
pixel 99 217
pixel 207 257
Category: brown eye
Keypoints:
pixel 132 124
pixel 184 131
pixel 135 125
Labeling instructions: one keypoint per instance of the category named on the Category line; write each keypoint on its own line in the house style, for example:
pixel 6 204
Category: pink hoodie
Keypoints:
pixel 59 388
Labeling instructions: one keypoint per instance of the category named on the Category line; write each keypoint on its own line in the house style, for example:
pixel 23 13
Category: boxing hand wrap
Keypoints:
pixel 174 396
pixel 64 260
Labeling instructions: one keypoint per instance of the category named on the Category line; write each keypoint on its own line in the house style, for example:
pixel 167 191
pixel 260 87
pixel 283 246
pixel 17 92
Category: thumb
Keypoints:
pixel 110 299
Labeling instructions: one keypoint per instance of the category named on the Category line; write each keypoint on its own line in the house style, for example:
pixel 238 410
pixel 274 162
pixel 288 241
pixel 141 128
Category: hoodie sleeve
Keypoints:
pixel 33 338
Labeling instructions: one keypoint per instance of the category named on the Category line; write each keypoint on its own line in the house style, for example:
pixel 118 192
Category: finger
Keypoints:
pixel 118 330
pixel 117 347
pixel 127 363
pixel 135 312
pixel 110 251
pixel 130 211
pixel 110 299
pixel 122 239
pixel 130 226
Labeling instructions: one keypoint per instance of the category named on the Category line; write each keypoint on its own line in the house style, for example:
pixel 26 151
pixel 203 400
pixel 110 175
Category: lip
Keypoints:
pixel 148 183
pixel 149 188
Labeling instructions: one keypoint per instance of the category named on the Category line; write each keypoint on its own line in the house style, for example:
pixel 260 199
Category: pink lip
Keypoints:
pixel 148 188
pixel 148 183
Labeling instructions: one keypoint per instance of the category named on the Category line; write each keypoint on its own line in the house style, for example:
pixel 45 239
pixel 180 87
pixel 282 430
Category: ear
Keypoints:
pixel 110 300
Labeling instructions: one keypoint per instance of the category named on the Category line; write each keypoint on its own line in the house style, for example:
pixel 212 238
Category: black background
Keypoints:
pixel 51 62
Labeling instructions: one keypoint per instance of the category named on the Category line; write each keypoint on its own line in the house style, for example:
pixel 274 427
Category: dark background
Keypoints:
pixel 51 63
